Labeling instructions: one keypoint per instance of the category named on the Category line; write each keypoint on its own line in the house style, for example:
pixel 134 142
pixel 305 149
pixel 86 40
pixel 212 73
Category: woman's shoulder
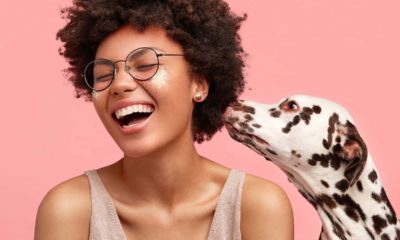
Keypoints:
pixel 266 211
pixel 65 211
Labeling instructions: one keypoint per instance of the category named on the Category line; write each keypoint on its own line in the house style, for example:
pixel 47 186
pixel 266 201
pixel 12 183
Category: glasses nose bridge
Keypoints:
pixel 116 68
pixel 125 76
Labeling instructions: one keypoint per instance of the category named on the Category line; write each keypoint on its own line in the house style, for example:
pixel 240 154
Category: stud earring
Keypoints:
pixel 198 97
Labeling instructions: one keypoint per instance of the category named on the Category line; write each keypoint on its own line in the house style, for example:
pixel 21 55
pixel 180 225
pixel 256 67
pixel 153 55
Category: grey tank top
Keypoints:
pixel 105 224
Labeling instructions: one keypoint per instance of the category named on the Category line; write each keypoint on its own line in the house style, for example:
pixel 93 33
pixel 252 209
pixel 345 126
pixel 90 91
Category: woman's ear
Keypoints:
pixel 200 89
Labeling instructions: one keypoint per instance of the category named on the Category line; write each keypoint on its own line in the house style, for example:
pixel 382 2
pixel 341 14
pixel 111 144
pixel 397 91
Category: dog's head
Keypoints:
pixel 307 137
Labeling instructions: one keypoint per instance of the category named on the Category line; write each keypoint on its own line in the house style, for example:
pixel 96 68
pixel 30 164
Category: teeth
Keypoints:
pixel 139 108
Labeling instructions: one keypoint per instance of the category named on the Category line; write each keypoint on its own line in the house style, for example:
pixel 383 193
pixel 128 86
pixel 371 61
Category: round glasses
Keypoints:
pixel 141 64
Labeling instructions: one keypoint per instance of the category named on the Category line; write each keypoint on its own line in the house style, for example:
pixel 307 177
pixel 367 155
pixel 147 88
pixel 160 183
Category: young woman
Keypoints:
pixel 160 75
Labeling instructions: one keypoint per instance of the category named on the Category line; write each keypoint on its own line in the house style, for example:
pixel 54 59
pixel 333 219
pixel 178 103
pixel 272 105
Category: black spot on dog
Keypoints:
pixel 296 120
pixel 325 184
pixel 232 119
pixel 337 149
pixel 306 117
pixel 325 144
pixel 272 109
pixel 338 139
pixel 325 160
pixel 385 237
pixel 294 153
pixel 379 223
pixel 266 158
pixel 272 152
pixel 316 109
pixel 256 125
pixel 373 176
pixel 276 114
pixel 397 234
pixel 359 186
pixel 248 117
pixel 376 197
pixel 352 209
pixel 248 142
pixel 308 110
pixel 342 185
pixel 337 229
pixel 351 213
pixel 289 174
pixel 392 216
pixel 327 200
pixel 331 129
pixel 243 125
pixel 243 108
pixel 369 233
pixel 248 109
pixel 287 128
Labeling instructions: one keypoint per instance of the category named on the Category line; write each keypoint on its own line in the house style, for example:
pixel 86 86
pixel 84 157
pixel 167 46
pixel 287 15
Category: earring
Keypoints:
pixel 198 97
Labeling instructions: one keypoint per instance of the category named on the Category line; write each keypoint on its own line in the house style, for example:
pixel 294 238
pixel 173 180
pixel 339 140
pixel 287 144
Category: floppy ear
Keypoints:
pixel 354 151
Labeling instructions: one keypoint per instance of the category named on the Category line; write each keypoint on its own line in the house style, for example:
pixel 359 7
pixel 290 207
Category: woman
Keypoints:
pixel 160 75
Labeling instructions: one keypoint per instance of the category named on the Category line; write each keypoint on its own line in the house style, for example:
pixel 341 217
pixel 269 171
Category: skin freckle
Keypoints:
pixel 160 80
pixel 95 94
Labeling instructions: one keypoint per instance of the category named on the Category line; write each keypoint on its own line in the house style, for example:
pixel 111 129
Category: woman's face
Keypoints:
pixel 166 99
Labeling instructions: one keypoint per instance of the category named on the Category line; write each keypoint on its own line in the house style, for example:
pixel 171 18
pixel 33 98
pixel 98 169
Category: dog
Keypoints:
pixel 314 141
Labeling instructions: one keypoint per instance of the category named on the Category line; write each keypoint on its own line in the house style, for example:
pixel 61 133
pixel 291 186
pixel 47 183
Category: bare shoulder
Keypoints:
pixel 64 212
pixel 266 211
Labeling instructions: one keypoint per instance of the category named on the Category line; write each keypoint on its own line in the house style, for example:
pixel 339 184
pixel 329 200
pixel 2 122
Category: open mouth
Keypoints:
pixel 131 115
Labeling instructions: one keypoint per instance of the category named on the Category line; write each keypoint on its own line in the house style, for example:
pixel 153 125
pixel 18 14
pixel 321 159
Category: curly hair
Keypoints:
pixel 207 30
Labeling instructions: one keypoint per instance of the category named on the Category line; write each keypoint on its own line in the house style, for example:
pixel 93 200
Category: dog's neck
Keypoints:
pixel 339 208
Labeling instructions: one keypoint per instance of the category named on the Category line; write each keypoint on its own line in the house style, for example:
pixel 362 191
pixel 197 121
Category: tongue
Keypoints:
pixel 134 118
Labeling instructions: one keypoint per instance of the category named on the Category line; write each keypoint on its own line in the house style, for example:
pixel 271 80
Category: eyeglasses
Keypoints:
pixel 141 64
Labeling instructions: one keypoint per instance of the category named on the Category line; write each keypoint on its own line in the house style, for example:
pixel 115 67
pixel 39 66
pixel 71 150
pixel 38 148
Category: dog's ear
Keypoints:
pixel 354 151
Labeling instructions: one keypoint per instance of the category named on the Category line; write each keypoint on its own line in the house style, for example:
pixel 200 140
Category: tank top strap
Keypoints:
pixel 226 222
pixel 104 221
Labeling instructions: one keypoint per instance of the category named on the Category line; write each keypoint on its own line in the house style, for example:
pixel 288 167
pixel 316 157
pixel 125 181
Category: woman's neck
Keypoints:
pixel 166 178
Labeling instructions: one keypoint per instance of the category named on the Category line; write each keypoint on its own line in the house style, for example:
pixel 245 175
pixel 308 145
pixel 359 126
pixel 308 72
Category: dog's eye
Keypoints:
pixel 291 106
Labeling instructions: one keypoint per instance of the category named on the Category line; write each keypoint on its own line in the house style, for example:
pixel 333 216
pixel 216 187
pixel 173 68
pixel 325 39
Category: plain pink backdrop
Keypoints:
pixel 347 51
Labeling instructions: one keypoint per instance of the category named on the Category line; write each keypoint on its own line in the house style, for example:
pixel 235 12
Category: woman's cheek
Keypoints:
pixel 160 80
pixel 95 95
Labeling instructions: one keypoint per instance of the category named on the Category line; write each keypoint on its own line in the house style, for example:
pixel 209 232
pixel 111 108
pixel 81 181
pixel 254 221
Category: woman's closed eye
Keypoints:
pixel 104 78
pixel 145 67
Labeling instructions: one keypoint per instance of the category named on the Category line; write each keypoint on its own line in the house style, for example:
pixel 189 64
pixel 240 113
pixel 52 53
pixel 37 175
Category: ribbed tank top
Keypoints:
pixel 105 224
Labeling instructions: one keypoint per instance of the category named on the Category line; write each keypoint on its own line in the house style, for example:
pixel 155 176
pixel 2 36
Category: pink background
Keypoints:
pixel 347 51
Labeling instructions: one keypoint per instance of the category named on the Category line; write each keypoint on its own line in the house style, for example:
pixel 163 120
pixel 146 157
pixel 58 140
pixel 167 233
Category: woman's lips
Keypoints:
pixel 132 107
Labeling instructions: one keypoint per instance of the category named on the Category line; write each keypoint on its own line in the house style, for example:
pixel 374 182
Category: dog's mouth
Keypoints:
pixel 242 136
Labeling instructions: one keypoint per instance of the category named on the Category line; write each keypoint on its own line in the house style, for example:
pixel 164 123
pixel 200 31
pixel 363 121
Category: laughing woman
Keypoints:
pixel 160 75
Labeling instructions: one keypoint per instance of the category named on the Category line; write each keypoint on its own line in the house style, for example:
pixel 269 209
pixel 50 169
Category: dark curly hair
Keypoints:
pixel 207 30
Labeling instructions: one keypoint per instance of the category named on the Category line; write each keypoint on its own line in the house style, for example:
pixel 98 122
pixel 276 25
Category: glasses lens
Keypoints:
pixel 142 63
pixel 99 74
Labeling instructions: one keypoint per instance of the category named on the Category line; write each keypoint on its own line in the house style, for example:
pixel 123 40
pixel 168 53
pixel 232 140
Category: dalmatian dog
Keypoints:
pixel 314 141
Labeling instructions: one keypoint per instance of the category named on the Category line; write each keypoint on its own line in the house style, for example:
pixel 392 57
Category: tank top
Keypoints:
pixel 105 224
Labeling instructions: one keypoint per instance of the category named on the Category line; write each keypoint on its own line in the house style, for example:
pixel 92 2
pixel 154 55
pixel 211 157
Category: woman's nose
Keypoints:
pixel 123 82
